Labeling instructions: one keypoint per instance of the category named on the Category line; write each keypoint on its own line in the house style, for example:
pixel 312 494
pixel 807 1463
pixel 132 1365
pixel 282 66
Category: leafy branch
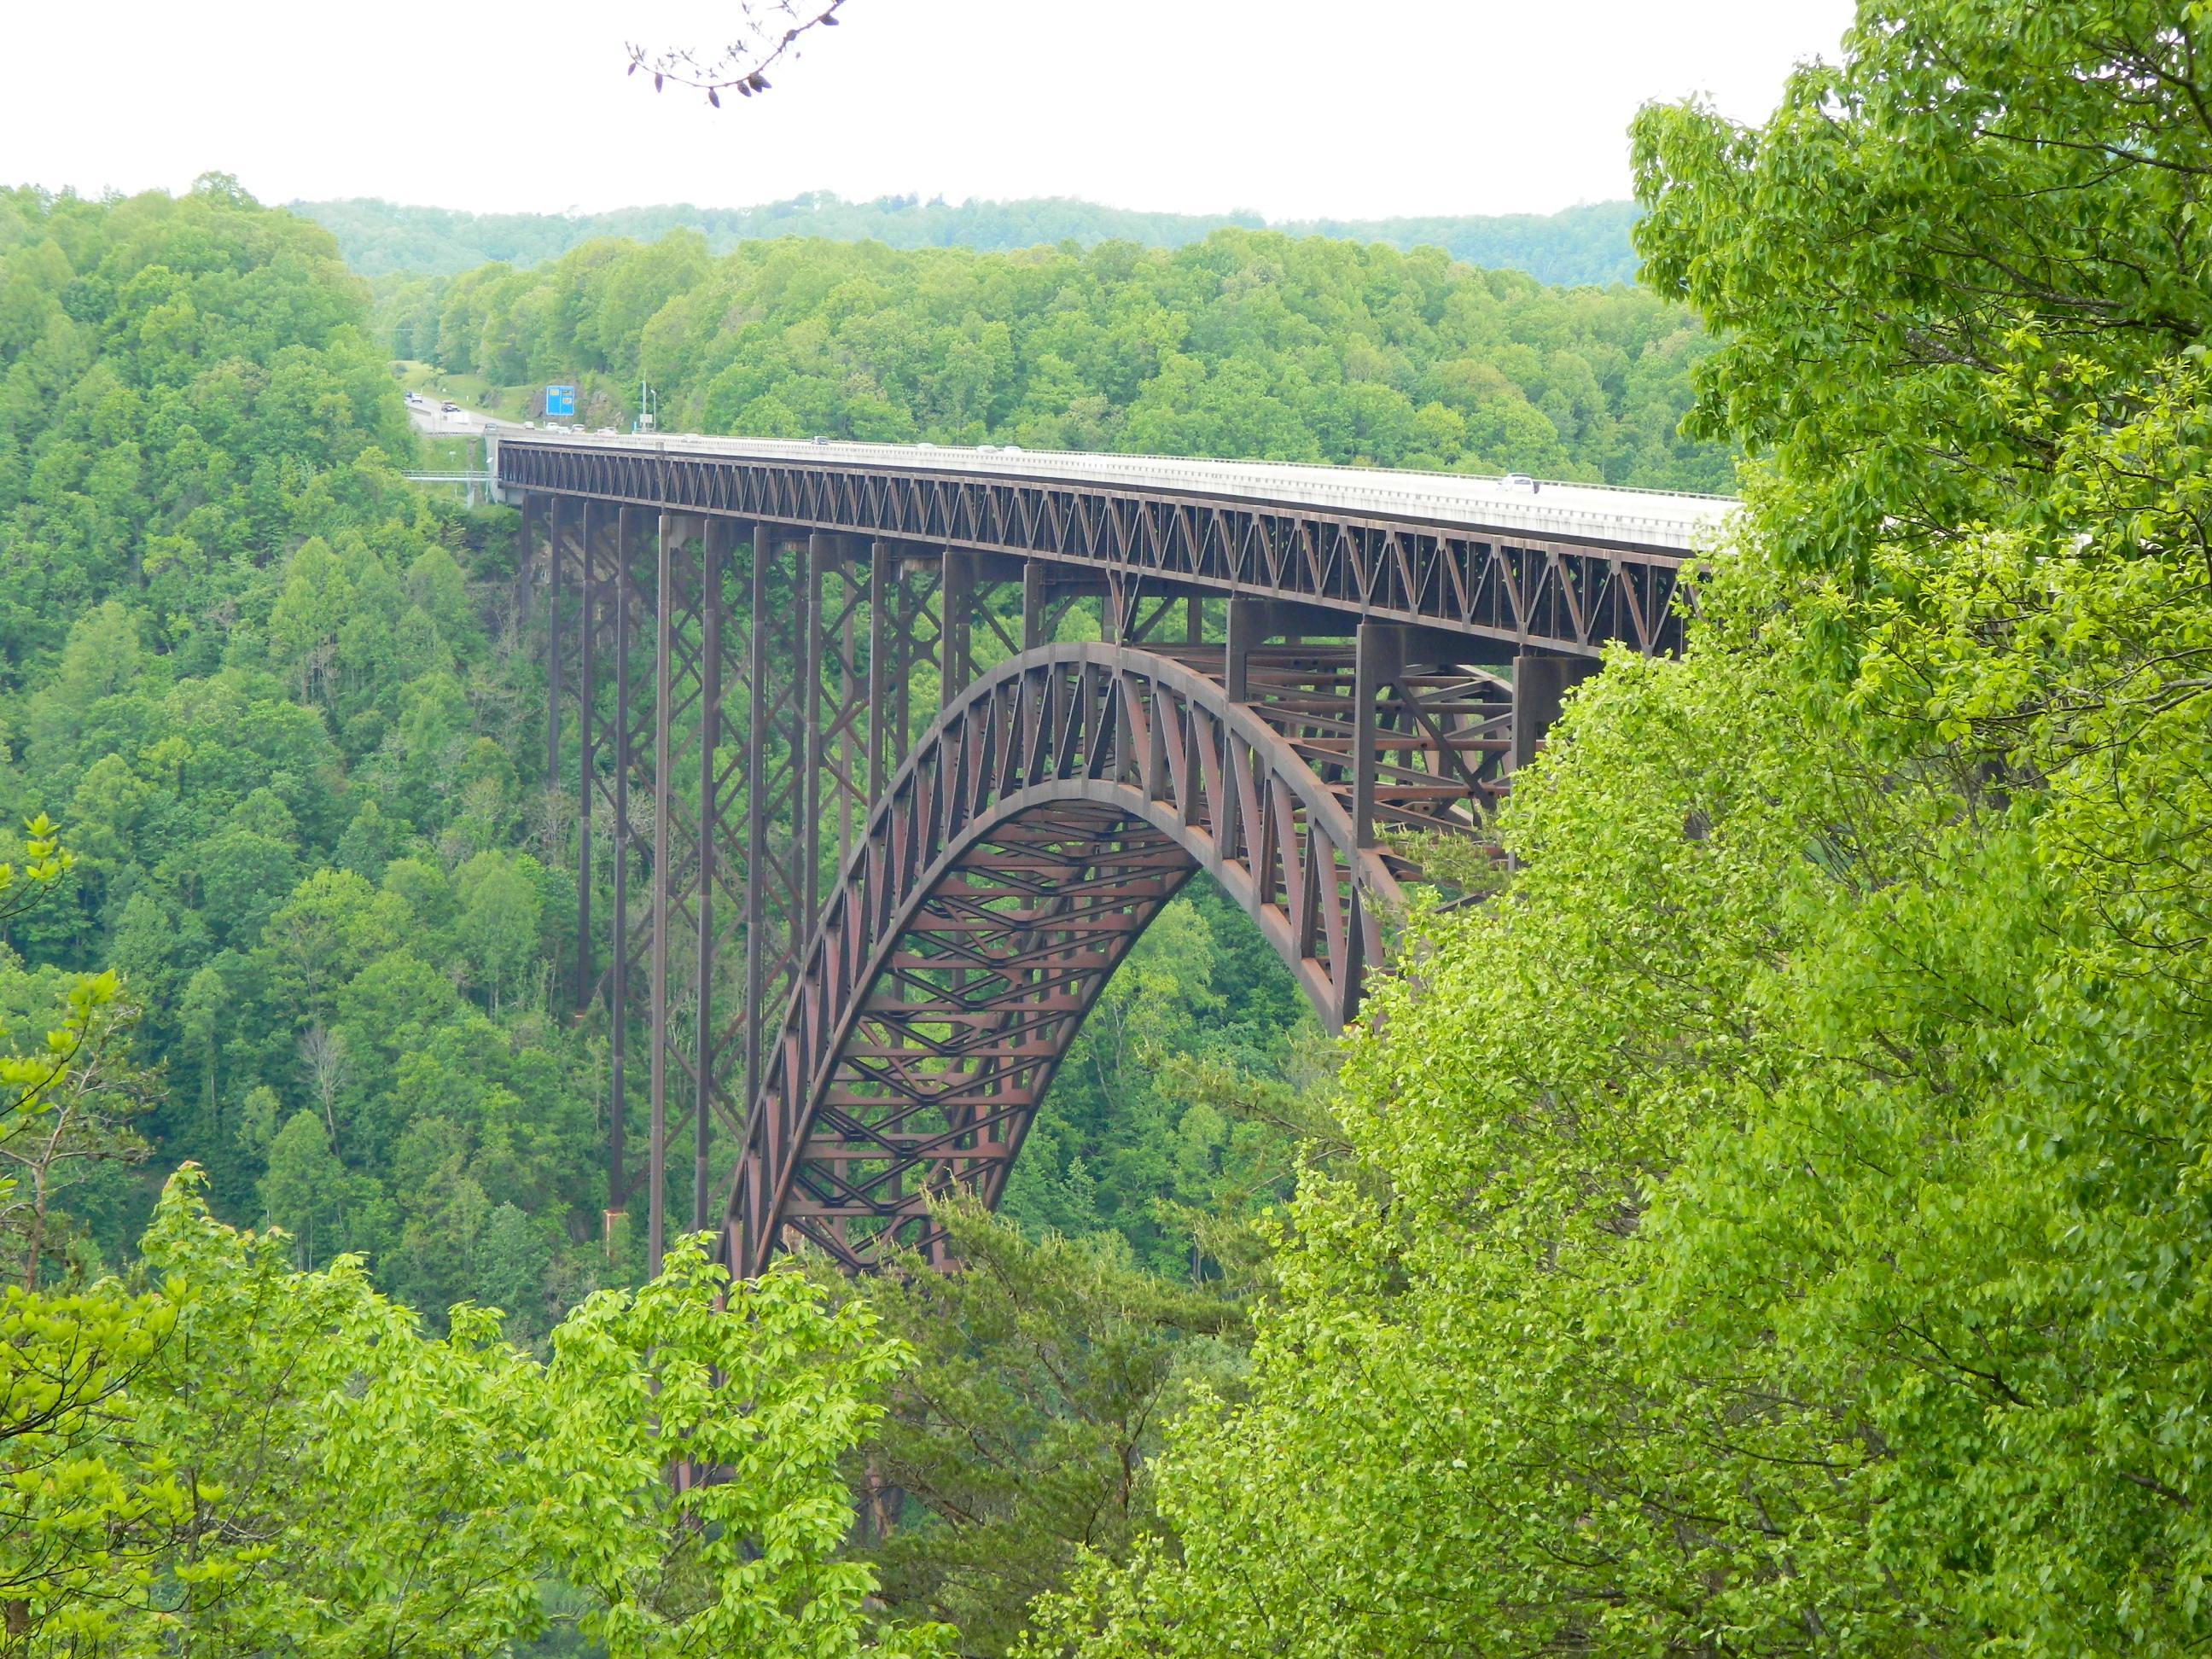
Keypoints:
pixel 44 863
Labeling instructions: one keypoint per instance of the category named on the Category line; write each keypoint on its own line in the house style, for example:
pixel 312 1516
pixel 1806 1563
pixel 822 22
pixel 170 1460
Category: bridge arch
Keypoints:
pixel 1024 847
pixel 737 640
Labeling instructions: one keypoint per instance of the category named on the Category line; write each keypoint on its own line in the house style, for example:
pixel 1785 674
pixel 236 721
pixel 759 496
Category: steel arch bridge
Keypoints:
pixel 859 836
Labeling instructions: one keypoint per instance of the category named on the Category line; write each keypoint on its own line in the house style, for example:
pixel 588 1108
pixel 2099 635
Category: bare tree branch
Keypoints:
pixel 769 29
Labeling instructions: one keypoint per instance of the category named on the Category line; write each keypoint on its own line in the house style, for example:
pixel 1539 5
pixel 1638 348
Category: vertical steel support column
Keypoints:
pixel 883 573
pixel 956 628
pixel 1033 604
pixel 587 724
pixel 1243 630
pixel 657 1156
pixel 618 969
pixel 553 645
pixel 819 550
pixel 526 506
pixel 845 734
pixel 1375 655
pixel 898 705
pixel 1247 628
pixel 1540 686
pixel 714 555
pixel 756 811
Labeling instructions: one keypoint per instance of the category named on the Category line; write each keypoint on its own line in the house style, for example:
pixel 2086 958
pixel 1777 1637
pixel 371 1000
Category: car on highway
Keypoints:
pixel 1520 482
pixel 450 408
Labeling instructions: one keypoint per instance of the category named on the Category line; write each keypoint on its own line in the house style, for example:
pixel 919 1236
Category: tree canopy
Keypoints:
pixel 1248 345
pixel 222 1454
pixel 1577 245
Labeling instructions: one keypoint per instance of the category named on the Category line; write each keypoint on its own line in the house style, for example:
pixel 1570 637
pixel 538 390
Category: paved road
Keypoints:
pixel 433 422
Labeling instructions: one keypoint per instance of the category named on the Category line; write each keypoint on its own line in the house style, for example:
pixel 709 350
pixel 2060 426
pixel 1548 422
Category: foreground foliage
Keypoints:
pixel 1793 1214
pixel 227 1455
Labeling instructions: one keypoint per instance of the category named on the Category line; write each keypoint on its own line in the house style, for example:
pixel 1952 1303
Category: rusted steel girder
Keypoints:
pixel 858 844
pixel 1522 591
pixel 1019 852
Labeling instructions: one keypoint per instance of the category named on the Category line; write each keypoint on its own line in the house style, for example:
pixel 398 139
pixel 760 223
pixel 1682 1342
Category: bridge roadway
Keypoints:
pixel 883 756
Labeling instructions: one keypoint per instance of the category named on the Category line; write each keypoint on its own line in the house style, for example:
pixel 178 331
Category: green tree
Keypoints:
pixel 303 1190
pixel 512 1253
pixel 1775 1223
pixel 242 1457
pixel 76 1100
pixel 391 242
pixel 497 929
pixel 1240 344
pixel 1045 1373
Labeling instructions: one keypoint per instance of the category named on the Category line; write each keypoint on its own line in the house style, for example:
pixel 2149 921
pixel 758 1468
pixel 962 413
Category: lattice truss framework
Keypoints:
pixel 1540 592
pixel 858 845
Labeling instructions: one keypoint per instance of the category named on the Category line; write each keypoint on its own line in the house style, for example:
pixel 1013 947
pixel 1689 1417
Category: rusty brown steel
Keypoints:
pixel 1549 592
pixel 1019 852
pixel 898 839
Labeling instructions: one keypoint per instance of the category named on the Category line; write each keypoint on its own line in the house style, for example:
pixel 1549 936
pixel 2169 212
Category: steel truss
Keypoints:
pixel 1531 592
pixel 1019 852
pixel 858 844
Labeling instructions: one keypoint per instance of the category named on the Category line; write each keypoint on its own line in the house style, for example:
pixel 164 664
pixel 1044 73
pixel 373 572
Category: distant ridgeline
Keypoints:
pixel 1248 342
pixel 1587 244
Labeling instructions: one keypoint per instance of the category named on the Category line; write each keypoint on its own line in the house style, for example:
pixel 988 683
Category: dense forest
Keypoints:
pixel 258 677
pixel 381 238
pixel 1247 343
pixel 1774 1221
pixel 277 696
pixel 289 948
pixel 298 936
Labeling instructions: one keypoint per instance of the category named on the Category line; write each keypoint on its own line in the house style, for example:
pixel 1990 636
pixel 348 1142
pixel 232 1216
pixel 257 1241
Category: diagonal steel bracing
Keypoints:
pixel 857 843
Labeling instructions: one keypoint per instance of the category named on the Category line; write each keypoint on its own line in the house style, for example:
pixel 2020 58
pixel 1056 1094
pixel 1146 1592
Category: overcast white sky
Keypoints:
pixel 1296 108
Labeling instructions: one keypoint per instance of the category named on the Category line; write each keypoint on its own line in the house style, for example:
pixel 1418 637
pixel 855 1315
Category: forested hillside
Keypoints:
pixel 277 696
pixel 1248 343
pixel 273 690
pixel 294 932
pixel 1776 1219
pixel 1578 245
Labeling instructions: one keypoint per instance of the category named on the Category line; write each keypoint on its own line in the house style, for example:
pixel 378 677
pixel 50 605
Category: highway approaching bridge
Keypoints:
pixel 882 756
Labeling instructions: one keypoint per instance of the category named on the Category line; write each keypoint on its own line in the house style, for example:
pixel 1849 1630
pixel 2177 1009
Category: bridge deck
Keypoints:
pixel 1655 520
